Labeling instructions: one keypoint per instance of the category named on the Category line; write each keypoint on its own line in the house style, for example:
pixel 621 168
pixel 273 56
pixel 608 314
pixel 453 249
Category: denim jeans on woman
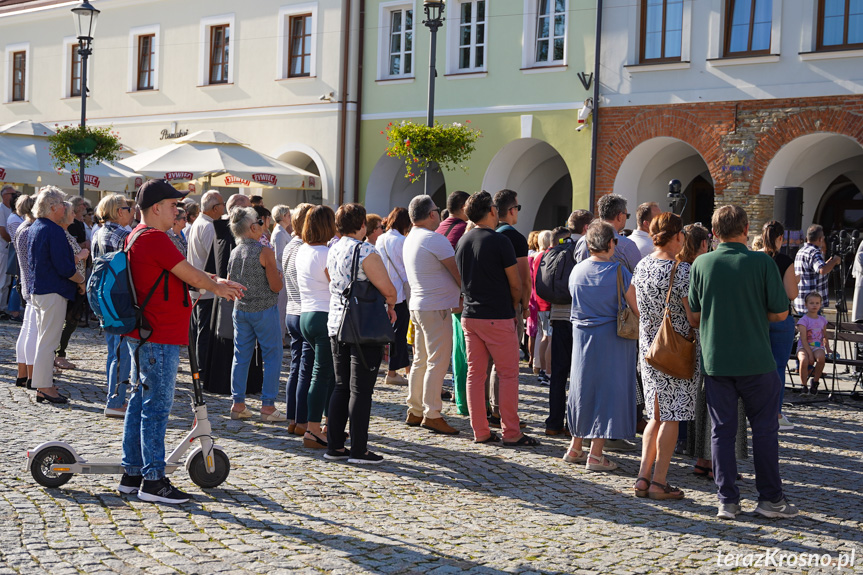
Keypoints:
pixel 302 360
pixel 117 369
pixel 263 327
pixel 149 408
pixel 781 340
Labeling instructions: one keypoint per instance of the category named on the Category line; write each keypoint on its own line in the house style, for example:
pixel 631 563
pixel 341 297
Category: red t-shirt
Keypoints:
pixel 152 253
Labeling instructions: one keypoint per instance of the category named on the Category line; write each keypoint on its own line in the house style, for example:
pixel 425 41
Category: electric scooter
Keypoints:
pixel 53 463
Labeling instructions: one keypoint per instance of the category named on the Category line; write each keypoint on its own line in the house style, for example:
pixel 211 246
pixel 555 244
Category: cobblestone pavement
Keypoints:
pixel 436 505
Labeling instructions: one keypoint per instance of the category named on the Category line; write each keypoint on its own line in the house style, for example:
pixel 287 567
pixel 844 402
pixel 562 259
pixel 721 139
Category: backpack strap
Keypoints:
pixel 451 226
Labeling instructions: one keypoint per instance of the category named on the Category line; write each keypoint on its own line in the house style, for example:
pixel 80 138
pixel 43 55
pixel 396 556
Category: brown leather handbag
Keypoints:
pixel 627 321
pixel 670 352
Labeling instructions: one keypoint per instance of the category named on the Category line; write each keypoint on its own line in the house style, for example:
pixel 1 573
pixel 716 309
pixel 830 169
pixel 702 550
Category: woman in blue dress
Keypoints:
pixel 602 381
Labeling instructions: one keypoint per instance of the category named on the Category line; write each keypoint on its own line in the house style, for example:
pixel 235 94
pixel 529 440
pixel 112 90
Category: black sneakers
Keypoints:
pixel 161 491
pixel 129 484
pixel 367 458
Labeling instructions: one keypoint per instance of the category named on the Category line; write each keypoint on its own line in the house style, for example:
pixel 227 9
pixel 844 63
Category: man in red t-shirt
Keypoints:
pixel 154 258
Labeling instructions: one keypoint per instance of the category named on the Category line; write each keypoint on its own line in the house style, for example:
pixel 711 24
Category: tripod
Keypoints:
pixel 842 274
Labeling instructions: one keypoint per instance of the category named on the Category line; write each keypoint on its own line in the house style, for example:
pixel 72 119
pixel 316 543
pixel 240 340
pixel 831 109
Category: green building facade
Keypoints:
pixel 510 67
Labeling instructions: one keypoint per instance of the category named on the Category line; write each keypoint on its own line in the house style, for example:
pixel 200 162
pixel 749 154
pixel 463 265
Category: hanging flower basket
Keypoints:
pixel 95 144
pixel 417 145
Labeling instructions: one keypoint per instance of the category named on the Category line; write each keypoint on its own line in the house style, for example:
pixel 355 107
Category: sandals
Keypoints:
pixel 493 438
pixel 312 441
pixel 641 492
pixel 245 414
pixel 668 492
pixel 701 471
pixel 524 441
pixel 579 457
pixel 602 463
pixel 707 472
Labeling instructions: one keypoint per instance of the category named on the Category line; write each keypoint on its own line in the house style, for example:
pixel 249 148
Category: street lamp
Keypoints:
pixel 85 17
pixel 434 20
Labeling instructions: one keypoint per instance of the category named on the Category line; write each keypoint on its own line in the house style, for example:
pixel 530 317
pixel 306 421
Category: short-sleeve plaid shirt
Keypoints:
pixel 109 238
pixel 807 264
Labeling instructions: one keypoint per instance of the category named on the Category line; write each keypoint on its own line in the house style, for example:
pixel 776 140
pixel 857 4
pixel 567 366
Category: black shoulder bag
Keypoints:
pixel 364 317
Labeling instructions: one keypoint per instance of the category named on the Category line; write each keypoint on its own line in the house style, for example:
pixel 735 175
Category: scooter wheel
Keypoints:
pixel 198 469
pixel 40 467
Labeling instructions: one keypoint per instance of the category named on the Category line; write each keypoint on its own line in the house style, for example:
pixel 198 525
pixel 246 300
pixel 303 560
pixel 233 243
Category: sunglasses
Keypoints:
pixel 615 240
pixel 260 222
pixel 127 208
pixel 438 210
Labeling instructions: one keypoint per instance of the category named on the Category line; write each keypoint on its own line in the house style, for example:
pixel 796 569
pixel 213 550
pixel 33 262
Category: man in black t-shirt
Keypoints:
pixel 506 203
pixel 492 289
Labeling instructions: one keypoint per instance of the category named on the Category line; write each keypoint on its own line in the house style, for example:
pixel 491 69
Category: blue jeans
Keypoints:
pixel 262 326
pixel 148 410
pixel 302 361
pixel 781 340
pixel 117 369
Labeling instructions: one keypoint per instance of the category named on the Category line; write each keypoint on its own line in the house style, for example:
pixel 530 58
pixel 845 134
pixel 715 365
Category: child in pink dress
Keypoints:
pixel 813 347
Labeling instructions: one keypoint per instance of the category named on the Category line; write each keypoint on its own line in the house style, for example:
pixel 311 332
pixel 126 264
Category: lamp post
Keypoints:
pixel 85 17
pixel 434 20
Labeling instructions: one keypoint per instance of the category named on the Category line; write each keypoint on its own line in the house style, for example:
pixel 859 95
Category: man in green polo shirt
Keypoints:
pixel 734 294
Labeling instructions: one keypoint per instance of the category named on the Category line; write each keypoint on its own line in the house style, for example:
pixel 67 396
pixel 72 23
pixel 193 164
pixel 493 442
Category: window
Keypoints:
pixel 219 39
pixel 19 75
pixel 840 24
pixel 146 65
pixel 300 57
pixel 401 42
pixel 75 73
pixel 471 36
pixel 143 59
pixel 661 30
pixel 550 31
pixel 748 29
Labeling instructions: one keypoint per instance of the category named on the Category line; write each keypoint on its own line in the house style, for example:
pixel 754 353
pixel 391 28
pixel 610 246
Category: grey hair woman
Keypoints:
pixel 54 282
pixel 256 315
pixel 602 398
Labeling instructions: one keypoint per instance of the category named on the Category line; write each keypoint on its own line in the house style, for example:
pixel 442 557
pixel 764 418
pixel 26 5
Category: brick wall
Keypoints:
pixel 737 140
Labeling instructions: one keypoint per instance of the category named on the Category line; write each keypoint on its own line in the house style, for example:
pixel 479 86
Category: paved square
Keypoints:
pixel 436 505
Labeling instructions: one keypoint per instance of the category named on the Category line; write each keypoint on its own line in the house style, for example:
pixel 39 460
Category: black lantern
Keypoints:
pixel 85 20
pixel 434 10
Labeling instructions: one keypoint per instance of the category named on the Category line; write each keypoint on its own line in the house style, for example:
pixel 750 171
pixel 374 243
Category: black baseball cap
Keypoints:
pixel 154 191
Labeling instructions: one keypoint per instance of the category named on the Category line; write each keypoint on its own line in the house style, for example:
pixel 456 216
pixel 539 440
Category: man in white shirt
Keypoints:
pixel 435 282
pixel 641 236
pixel 9 194
pixel 201 256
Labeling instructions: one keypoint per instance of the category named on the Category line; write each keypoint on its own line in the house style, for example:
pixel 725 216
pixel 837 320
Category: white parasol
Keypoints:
pixel 25 159
pixel 221 159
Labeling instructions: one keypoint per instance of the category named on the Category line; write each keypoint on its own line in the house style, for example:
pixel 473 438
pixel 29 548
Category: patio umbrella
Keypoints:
pixel 221 159
pixel 25 159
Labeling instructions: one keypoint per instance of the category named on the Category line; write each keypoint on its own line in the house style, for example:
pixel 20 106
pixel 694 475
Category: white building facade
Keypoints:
pixel 275 75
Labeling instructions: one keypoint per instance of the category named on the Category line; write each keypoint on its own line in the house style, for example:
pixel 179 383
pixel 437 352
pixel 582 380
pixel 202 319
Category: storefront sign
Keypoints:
pixel 270 179
pixel 89 179
pixel 166 135
pixel 179 176
pixel 231 180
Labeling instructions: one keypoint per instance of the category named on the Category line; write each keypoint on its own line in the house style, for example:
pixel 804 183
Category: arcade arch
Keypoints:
pixel 389 188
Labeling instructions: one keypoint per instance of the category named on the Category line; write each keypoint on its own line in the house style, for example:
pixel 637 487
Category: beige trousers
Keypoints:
pixel 50 311
pixel 432 351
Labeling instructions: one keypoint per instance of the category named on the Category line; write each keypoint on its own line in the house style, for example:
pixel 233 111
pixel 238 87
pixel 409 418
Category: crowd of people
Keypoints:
pixel 462 294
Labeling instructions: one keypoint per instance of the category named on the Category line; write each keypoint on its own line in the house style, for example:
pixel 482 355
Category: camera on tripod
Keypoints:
pixel 842 243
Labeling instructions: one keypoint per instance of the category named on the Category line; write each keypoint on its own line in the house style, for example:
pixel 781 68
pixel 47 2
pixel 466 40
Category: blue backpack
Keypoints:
pixel 111 293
